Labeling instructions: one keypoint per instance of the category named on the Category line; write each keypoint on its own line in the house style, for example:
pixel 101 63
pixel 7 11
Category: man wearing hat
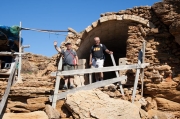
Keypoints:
pixel 69 61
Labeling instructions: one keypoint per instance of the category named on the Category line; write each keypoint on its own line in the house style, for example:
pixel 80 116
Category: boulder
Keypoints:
pixel 96 104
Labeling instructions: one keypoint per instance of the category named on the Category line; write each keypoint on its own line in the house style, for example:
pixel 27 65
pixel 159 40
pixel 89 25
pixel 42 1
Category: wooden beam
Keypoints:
pixel 57 84
pixel 104 69
pixel 142 73
pixel 117 74
pixel 5 96
pixel 10 53
pixel 89 87
pixel 137 76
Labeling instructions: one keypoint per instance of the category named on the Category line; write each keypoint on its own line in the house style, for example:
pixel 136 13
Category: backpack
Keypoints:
pixel 101 52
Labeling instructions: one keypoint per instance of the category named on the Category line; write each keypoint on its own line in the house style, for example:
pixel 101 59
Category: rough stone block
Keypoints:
pixel 51 112
pixel 31 115
pixel 122 61
pixel 82 61
pixel 37 100
pixel 94 24
pixel 35 107
pixel 79 80
pixel 112 17
pixel 154 30
pixel 119 17
pixel 88 29
pixel 125 16
pixel 103 19
pixel 81 66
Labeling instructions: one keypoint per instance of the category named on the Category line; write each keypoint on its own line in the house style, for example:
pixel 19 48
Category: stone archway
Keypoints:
pixel 113 31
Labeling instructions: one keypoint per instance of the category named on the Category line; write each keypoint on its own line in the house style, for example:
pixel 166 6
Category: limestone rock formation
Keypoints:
pixel 32 115
pixel 51 112
pixel 155 114
pixel 168 12
pixel 167 105
pixel 95 104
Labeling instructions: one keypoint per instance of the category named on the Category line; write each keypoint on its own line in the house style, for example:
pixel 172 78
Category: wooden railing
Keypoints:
pixel 7 91
pixel 138 66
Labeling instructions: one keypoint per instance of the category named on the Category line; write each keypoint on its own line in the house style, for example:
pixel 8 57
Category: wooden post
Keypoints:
pixel 57 84
pixel 136 77
pixel 142 74
pixel 90 78
pixel 117 74
pixel 20 56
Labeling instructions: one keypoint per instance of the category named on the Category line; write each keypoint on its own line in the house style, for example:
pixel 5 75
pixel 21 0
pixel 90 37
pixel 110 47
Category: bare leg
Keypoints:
pixel 101 76
pixel 97 76
pixel 71 78
pixel 66 81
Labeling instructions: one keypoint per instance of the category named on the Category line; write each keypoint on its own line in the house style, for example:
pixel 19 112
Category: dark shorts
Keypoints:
pixel 67 68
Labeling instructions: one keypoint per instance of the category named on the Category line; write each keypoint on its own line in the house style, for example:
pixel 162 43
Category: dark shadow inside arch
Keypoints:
pixel 114 35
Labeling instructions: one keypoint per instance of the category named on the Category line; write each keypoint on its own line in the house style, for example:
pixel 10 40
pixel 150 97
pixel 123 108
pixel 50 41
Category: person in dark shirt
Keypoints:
pixel 69 61
pixel 97 57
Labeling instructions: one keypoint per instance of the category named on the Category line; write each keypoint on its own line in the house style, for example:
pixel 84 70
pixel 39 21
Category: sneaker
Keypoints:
pixel 72 86
pixel 65 87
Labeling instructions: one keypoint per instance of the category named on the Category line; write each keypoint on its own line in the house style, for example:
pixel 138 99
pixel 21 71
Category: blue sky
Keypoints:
pixel 57 15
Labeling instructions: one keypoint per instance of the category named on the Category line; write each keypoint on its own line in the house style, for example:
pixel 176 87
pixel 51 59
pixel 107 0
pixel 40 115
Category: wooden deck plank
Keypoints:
pixel 89 87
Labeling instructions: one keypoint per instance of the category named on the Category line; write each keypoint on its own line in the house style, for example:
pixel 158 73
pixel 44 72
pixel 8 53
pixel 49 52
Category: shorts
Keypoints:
pixel 98 63
pixel 67 68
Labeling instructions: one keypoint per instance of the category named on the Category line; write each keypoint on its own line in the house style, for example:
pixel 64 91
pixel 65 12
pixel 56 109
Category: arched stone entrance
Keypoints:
pixel 114 32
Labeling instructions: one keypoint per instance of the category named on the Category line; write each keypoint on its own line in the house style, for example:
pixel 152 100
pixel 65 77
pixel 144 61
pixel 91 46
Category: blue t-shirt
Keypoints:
pixel 69 55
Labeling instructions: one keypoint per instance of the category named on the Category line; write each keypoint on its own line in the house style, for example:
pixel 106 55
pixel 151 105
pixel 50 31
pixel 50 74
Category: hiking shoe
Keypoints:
pixel 72 86
pixel 65 87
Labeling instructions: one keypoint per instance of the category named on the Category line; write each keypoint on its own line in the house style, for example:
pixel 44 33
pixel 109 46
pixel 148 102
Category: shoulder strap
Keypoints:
pixel 71 53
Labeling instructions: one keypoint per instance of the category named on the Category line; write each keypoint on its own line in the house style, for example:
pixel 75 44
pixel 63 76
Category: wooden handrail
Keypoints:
pixel 10 80
pixel 95 70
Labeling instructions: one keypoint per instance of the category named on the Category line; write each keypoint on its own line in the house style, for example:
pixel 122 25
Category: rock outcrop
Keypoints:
pixel 32 115
pixel 96 104
pixel 168 12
